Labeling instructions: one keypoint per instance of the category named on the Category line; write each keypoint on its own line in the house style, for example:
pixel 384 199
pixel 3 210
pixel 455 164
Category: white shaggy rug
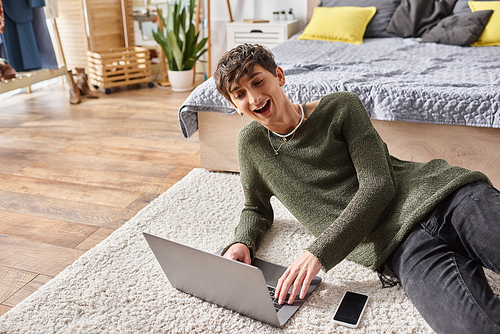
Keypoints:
pixel 118 287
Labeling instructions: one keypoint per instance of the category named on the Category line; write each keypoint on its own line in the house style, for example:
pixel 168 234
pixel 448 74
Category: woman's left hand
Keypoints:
pixel 300 273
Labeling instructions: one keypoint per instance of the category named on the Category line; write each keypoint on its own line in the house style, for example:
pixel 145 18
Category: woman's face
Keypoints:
pixel 259 95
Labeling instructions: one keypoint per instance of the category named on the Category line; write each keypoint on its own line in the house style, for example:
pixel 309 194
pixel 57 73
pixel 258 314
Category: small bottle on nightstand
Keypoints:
pixel 283 16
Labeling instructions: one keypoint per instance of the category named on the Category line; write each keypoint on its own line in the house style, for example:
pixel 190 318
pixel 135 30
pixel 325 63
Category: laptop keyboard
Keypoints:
pixel 277 306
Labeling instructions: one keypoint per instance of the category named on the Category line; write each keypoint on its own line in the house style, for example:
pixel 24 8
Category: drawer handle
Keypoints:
pixel 256 31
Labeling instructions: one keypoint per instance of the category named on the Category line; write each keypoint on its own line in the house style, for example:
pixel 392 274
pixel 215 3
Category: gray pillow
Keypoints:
pixel 413 18
pixel 461 30
pixel 462 7
pixel 378 25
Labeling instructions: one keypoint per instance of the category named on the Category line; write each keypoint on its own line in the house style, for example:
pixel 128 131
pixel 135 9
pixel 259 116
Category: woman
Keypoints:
pixel 435 225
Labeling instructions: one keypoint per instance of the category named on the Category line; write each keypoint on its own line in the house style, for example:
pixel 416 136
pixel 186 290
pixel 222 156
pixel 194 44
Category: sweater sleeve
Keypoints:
pixel 377 186
pixel 256 218
pixel 257 214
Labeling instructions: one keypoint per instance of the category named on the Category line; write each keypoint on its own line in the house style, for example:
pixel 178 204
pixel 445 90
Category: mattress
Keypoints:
pixel 398 79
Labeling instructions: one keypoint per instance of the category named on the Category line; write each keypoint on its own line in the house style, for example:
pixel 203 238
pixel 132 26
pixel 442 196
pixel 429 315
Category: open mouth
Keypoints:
pixel 263 109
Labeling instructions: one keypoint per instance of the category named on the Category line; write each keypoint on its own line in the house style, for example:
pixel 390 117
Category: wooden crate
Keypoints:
pixel 118 67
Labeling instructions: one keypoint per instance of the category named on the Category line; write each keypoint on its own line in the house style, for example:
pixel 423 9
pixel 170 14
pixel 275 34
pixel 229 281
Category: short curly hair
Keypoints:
pixel 240 61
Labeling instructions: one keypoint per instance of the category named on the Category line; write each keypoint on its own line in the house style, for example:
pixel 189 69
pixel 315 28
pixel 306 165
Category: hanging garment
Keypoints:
pixel 2 20
pixel 43 40
pixel 51 9
pixel 19 37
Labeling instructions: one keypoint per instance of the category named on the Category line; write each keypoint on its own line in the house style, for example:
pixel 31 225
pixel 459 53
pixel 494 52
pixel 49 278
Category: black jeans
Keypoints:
pixel 440 263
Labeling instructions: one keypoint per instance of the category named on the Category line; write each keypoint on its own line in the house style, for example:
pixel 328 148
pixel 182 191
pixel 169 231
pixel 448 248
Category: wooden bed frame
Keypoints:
pixel 475 148
pixel 467 146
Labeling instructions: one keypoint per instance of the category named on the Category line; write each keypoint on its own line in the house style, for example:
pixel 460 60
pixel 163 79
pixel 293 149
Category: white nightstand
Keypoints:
pixel 268 34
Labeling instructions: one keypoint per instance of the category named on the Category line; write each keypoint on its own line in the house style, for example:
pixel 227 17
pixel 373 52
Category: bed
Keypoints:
pixel 427 99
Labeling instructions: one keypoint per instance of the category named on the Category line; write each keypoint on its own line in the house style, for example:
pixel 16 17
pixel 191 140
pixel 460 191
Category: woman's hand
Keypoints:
pixel 300 273
pixel 239 252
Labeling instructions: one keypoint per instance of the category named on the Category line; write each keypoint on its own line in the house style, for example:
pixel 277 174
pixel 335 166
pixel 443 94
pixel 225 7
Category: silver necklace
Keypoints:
pixel 292 133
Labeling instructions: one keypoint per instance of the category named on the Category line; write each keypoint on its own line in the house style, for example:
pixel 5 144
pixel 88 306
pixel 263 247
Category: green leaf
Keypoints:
pixel 200 45
pixel 176 51
pixel 161 17
pixel 170 19
pixel 191 10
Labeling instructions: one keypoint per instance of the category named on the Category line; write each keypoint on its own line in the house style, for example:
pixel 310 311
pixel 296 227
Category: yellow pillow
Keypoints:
pixel 339 24
pixel 491 33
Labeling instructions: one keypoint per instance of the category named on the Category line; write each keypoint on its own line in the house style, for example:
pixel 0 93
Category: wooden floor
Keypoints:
pixel 72 174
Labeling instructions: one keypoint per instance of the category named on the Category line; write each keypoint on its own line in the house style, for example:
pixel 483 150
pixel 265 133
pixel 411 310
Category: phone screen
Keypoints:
pixel 350 309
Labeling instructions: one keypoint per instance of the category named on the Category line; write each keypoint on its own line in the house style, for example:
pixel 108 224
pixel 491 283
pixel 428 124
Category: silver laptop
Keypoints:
pixel 230 284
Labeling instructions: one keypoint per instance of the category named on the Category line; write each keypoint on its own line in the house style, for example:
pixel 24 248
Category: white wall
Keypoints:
pixel 247 9
pixel 262 9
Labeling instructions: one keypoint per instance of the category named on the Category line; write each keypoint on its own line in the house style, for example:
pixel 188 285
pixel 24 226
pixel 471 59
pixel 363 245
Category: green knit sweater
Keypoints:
pixel 337 178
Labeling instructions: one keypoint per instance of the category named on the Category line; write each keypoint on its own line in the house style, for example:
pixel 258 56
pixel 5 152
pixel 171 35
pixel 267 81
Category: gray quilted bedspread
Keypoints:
pixel 397 79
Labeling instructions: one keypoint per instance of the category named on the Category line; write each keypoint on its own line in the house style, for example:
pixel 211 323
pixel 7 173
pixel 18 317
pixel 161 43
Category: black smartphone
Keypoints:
pixel 350 309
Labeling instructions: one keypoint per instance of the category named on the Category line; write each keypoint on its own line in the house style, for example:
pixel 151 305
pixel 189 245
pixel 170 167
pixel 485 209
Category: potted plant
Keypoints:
pixel 180 44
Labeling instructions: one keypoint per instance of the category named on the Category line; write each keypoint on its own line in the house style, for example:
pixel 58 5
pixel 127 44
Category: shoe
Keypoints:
pixel 82 84
pixel 74 93
pixel 7 72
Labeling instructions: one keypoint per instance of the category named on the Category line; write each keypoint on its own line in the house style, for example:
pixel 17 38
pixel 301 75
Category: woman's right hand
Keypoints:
pixel 239 252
